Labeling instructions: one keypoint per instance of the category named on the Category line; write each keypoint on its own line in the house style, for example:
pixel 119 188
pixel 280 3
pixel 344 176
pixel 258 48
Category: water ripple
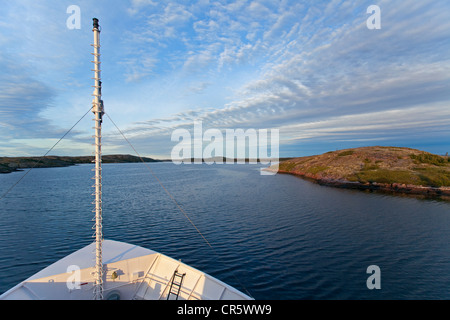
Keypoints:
pixel 279 237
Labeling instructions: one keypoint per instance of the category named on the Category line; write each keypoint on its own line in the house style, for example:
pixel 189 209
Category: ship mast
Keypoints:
pixel 97 109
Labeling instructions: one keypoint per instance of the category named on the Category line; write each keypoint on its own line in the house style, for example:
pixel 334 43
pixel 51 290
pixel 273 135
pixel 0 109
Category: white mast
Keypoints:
pixel 97 109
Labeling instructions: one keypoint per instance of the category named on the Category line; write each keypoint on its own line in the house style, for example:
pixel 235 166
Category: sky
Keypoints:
pixel 312 70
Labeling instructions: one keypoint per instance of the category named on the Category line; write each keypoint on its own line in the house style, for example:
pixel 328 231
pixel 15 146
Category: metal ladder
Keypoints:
pixel 175 286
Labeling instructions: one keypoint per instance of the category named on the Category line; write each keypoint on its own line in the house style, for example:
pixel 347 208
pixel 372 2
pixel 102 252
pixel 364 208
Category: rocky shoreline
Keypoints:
pixel 395 188
pixel 395 170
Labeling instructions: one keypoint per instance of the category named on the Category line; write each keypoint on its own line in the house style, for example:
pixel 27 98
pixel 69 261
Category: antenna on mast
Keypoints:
pixel 97 109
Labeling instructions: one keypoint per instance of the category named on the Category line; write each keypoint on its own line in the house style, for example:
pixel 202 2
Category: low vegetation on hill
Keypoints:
pixel 374 166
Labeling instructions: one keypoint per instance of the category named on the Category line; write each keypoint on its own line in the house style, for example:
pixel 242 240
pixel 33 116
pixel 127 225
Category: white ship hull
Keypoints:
pixel 130 273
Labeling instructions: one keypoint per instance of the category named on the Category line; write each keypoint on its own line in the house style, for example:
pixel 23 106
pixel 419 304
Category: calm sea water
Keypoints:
pixel 277 237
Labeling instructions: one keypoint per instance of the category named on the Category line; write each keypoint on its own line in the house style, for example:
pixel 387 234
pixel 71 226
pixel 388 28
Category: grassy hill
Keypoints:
pixel 376 168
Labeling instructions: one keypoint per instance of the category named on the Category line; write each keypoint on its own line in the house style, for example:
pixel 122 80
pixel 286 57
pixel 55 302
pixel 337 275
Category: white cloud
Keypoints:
pixel 137 5
pixel 377 123
pixel 296 65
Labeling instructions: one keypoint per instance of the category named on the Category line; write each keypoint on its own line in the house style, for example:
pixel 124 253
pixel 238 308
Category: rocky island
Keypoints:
pixel 389 169
pixel 10 164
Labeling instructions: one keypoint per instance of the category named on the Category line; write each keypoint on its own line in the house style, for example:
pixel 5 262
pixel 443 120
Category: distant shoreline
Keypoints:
pixel 12 164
